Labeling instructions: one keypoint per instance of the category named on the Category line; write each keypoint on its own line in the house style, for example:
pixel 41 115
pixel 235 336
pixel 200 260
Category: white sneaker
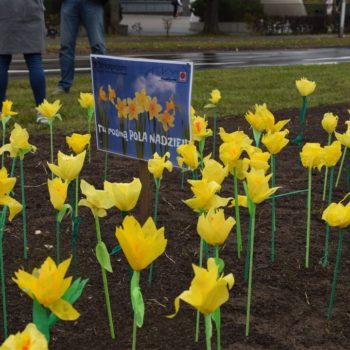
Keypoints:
pixel 41 119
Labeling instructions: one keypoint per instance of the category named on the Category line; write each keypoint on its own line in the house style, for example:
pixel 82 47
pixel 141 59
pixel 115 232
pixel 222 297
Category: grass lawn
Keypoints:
pixel 241 88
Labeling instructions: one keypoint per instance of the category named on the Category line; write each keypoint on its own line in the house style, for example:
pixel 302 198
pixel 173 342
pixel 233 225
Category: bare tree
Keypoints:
pixel 211 17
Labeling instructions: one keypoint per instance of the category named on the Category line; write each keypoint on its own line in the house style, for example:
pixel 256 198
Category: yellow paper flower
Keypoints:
pixel 275 141
pixel 305 87
pixel 205 197
pixel 78 142
pixel 19 144
pixel 58 192
pixel 6 186
pixel 140 245
pixel 48 285
pixel 329 122
pixel 86 100
pixel 97 200
pixel 188 155
pixel 259 159
pixel 242 167
pixel 240 137
pixel 332 154
pixel 312 155
pixel 337 215
pixel 344 138
pixel 69 166
pixel 6 110
pixel 215 96
pixel 213 170
pixel 124 195
pixel 213 227
pixel 208 290
pixel 157 164
pixel 199 129
pixel 49 110
pixel 154 108
pixel 258 186
pixel 29 339
pixel 242 202
pixel 229 154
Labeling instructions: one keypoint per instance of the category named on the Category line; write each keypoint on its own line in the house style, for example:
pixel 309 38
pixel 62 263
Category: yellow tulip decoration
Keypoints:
pixel 274 142
pixel 208 291
pixel 53 294
pixel 332 154
pixel 337 215
pixel 98 201
pixel 6 186
pixel 50 112
pixel 188 158
pixel 18 148
pixel 141 246
pixel 6 114
pixel 345 141
pixel 213 170
pixel 86 101
pixel 68 169
pixel 305 88
pixel 214 229
pixel 257 190
pixel 30 339
pixel 329 124
pixel 58 194
pixel 215 97
pixel 312 156
pixel 156 167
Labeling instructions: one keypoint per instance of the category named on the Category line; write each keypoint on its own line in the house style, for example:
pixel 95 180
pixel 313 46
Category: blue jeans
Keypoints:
pixel 89 13
pixel 36 75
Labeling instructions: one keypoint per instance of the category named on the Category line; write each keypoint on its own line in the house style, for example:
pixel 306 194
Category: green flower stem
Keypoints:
pixel 23 210
pixel 3 142
pixel 238 220
pixel 250 278
pixel 326 242
pixel 155 217
pixel 208 331
pixel 105 283
pixel 216 251
pixel 200 264
pixel 57 240
pixel 273 216
pixel 90 112
pixel 201 150
pixel 299 139
pixel 76 196
pixel 13 166
pixel 214 133
pixel 335 273
pixel 246 265
pixel 134 327
pixel 51 142
pixel 218 328
pixel 182 177
pixel 326 173
pixel 341 166
pixel 308 218
pixel 287 194
pixel 2 271
pixel 76 223
pixel 105 166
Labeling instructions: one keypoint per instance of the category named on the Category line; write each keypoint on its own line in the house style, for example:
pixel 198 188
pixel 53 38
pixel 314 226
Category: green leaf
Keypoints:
pixel 67 209
pixel 41 319
pixel 220 264
pixel 58 116
pixel 249 201
pixel 216 317
pixel 116 249
pixel 103 257
pixel 257 135
pixel 210 105
pixel 137 300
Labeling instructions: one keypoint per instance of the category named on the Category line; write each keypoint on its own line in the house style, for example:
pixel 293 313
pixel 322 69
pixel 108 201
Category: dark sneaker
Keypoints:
pixel 41 119
pixel 59 91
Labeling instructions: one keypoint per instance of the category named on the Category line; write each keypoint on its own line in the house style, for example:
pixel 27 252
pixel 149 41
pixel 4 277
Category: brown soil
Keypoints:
pixel 289 303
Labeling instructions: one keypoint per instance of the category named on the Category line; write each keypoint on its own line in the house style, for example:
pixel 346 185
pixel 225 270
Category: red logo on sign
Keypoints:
pixel 182 76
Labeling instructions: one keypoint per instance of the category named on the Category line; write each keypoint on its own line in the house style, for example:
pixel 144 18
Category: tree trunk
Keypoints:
pixel 114 16
pixel 211 17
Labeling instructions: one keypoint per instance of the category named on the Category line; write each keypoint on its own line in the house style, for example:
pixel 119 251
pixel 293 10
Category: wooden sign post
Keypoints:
pixel 145 200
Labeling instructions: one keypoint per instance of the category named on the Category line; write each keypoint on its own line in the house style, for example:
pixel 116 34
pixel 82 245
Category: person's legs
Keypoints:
pixel 92 18
pixel 70 19
pixel 36 76
pixel 5 61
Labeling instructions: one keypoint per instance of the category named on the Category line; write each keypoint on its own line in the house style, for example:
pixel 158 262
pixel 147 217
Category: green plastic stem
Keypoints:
pixel 13 166
pixel 3 143
pixel 51 144
pixel 76 196
pixel 105 166
pixel 134 327
pixel 341 166
pixel 287 194
pixel 90 112
pixel 308 218
pixel 214 134
pixel 2 272
pixel 326 242
pixel 246 265
pixel 335 273
pixel 200 264
pixel 23 210
pixel 182 178
pixel 208 327
pixel 273 209
pixel 326 173
pixel 218 328
pixel 238 220
pixel 57 240
pixel 250 278
pixel 105 283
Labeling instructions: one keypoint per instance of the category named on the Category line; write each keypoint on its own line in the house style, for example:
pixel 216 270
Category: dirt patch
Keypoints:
pixel 289 304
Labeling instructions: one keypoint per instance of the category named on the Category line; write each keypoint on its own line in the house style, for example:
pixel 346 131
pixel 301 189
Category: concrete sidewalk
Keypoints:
pixel 155 24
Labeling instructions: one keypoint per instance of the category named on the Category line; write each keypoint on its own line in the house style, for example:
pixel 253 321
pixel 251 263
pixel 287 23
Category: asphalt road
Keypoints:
pixel 210 60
